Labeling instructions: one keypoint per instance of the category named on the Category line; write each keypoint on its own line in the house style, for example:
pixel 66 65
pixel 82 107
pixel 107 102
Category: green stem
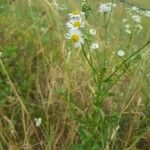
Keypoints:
pixel 128 58
pixel 131 4
pixel 104 58
pixel 91 65
pixel 107 24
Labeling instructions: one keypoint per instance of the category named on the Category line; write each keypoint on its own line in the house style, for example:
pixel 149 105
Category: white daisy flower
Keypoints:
pixel 76 23
pixel 106 7
pixel 94 46
pixel 38 121
pixel 120 53
pixel 76 36
pixel 76 15
pixel 92 31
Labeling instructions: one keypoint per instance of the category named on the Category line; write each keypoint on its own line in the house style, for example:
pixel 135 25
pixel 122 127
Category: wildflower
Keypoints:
pixel 38 121
pixel 127 26
pixel 74 14
pixel 106 8
pixel 140 26
pixel 128 31
pixel 76 23
pixel 92 31
pixel 77 15
pixel 147 13
pixel 94 46
pixel 136 18
pixel 120 53
pixel 134 8
pixel 76 36
pixel 124 20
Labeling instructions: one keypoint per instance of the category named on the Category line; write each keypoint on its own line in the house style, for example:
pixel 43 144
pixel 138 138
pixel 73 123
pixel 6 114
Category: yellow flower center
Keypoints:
pixel 76 13
pixel 75 38
pixel 77 24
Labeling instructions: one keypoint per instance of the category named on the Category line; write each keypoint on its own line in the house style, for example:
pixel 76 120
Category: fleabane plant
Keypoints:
pixel 81 33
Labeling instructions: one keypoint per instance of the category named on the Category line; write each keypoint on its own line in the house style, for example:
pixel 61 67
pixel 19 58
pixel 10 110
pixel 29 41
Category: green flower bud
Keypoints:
pixel 86 8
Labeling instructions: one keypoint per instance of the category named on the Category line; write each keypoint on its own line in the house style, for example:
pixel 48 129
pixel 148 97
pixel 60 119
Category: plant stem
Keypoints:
pixel 128 58
pixel 91 65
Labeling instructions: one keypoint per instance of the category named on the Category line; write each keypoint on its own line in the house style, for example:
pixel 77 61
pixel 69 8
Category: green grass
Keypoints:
pixel 88 100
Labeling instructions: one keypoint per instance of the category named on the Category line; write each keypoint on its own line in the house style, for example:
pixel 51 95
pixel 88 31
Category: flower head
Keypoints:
pixel 139 26
pixel 92 31
pixel 38 121
pixel 120 53
pixel 147 13
pixel 94 46
pixel 106 8
pixel 76 36
pixel 128 31
pixel 134 8
pixel 136 18
pixel 127 26
pixel 76 23
pixel 124 20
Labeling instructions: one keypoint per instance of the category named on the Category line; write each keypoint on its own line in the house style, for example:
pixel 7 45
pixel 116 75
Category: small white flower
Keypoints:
pixel 94 46
pixel 124 20
pixel 134 8
pixel 76 23
pixel 140 26
pixel 136 18
pixel 76 36
pixel 38 121
pixel 106 7
pixel 128 31
pixel 120 53
pixel 147 13
pixel 127 26
pixel 92 31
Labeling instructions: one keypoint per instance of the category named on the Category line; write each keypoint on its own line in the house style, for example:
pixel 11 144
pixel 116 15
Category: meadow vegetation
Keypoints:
pixel 90 91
